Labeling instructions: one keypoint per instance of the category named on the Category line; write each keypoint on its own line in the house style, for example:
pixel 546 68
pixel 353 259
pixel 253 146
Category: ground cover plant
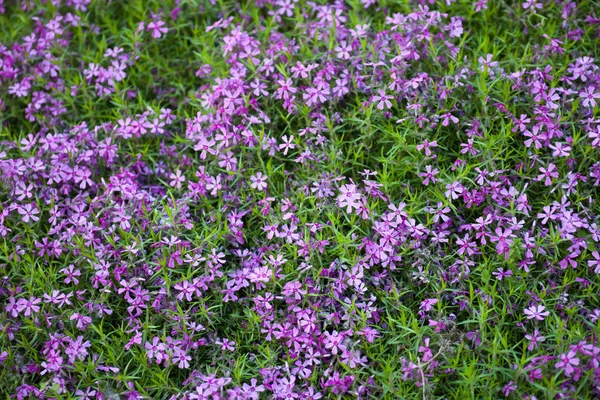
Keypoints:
pixel 289 199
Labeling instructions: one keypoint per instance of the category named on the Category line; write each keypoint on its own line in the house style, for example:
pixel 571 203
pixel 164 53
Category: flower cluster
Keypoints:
pixel 294 200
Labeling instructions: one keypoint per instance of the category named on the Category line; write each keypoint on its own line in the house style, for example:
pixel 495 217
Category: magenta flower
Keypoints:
pixel 343 51
pixel 226 344
pixel 333 342
pixel 509 388
pixel 158 29
pixel 532 5
pixel 487 62
pixel 568 362
pixel 548 174
pixel 186 290
pixel 252 390
pixel 288 144
pixel 500 273
pixel 427 146
pixel 82 320
pixel 181 358
pixel 12 307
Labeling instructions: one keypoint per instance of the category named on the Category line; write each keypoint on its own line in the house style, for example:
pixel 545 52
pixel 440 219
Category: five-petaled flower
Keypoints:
pixel 383 99
pixel 568 362
pixel 429 175
pixel 158 28
pixel 259 181
pixel 29 212
pixel 537 312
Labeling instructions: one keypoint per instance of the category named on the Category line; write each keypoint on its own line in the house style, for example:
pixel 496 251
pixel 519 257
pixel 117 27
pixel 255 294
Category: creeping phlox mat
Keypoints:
pixel 290 199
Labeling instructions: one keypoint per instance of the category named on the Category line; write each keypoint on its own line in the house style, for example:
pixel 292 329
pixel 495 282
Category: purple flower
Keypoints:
pixel 536 312
pixel 157 27
pixel 568 362
pixel 429 175
pixel 383 99
pixel 534 340
pixel 28 307
pixel 349 197
pixel 259 181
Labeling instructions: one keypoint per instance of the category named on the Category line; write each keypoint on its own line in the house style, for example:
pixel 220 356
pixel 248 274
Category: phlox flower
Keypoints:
pixel 29 212
pixel 534 339
pixel 29 306
pixel 181 358
pixel 333 342
pixel 259 181
pixel 155 349
pixel 531 4
pixel 349 197
pixel 288 144
pixel 595 263
pixel 429 175
pixel 343 51
pixel 536 312
pixel 157 28
pixel 589 96
pixel 383 99
pixel 226 344
pixel 487 62
pixel 547 174
pixel 568 362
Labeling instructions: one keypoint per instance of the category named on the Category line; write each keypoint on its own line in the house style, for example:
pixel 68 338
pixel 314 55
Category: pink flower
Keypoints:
pixel 186 290
pixel 427 304
pixel 343 51
pixel 548 174
pixel 531 4
pixel 82 320
pixel 155 349
pixel 534 339
pixel 29 306
pixel 20 89
pixel 287 144
pixel 500 273
pixel 157 28
pixel 568 361
pixel 427 146
pixel 508 388
pixel 429 175
pixel 449 118
pixel 226 344
pixel 487 62
pixel 536 312
pixel 251 391
pixel 177 179
pixel 383 99
pixel 349 197
pixel 333 342
pixel 181 358
pixel 259 181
